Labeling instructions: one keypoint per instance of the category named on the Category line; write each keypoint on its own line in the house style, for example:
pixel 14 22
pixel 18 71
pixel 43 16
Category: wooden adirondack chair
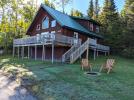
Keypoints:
pixel 85 65
pixel 108 65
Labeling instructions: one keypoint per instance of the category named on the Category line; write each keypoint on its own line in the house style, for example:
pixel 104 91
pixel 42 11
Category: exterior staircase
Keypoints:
pixel 78 52
pixel 66 56
pixel 75 52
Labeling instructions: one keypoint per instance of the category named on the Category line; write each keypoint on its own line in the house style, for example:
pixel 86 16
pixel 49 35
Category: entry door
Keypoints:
pixel 75 38
pixel 76 35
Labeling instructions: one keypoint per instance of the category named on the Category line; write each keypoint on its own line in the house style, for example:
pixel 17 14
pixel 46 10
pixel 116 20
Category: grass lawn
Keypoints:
pixel 67 82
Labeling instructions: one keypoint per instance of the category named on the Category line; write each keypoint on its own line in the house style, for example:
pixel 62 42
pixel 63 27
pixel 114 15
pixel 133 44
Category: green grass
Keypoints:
pixel 68 81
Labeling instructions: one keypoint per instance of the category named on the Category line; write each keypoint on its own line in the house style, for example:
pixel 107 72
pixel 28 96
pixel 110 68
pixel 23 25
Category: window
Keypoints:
pixel 97 29
pixel 76 38
pixel 53 23
pixel 91 27
pixel 45 23
pixel 38 27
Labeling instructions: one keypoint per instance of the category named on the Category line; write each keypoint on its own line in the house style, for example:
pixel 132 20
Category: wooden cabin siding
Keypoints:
pixel 58 52
pixel 84 23
pixel 87 24
pixel 38 20
pixel 70 33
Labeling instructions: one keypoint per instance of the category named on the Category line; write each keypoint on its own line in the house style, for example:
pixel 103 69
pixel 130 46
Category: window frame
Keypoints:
pixel 44 19
pixel 53 22
pixel 38 27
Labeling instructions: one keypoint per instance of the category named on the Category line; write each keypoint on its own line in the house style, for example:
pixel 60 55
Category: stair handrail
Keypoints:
pixel 68 53
pixel 77 53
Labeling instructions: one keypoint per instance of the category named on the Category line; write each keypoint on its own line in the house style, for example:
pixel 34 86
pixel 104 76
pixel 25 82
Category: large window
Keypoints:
pixel 53 23
pixel 45 23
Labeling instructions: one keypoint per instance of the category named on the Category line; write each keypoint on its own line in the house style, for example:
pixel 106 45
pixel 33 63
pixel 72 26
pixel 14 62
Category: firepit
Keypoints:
pixel 93 73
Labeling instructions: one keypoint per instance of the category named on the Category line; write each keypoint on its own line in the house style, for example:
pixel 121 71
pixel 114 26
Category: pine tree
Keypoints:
pixel 96 10
pixel 109 18
pixel 90 11
pixel 128 29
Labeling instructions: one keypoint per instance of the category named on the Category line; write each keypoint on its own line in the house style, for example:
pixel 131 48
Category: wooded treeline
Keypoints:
pixel 117 27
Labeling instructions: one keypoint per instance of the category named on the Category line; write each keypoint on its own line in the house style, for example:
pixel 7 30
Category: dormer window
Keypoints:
pixel 38 27
pixel 97 29
pixel 53 23
pixel 45 23
pixel 91 27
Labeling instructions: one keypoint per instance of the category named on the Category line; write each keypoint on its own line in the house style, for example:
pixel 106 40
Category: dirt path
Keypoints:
pixel 10 90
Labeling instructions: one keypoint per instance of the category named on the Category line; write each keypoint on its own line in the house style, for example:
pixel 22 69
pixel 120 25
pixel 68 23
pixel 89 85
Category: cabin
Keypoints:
pixel 59 37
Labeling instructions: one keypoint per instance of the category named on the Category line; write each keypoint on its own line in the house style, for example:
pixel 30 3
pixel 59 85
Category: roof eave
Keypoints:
pixel 86 33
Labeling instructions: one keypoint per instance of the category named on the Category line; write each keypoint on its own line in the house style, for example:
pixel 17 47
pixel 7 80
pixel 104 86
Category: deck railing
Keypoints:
pixel 92 42
pixel 103 47
pixel 46 38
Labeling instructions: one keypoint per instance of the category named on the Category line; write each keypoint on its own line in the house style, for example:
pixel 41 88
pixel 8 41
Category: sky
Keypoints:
pixel 82 5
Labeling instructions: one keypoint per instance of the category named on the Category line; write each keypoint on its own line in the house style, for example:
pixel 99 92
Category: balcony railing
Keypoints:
pixel 46 38
pixel 103 47
pixel 92 42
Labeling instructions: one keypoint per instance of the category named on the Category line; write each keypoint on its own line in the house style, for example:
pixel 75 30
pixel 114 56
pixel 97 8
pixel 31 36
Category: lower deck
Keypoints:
pixel 55 47
pixel 46 52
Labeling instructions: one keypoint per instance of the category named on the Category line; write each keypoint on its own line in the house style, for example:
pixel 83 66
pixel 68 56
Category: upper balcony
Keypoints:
pixel 45 39
pixel 57 39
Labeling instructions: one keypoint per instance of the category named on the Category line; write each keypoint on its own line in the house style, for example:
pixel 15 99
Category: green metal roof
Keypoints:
pixel 68 22
pixel 86 18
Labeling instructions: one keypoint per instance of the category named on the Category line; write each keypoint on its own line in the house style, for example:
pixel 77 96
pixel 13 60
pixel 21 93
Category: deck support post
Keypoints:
pixel 13 51
pixel 94 54
pixel 87 53
pixel 105 53
pixel 52 52
pixel 35 52
pixel 28 52
pixel 18 52
pixel 97 53
pixel 108 52
pixel 43 52
pixel 22 52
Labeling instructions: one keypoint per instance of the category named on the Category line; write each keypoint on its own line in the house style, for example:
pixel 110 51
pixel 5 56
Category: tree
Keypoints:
pixel 62 3
pixel 49 4
pixel 90 11
pixel 76 13
pixel 96 10
pixel 128 29
pixel 111 25
pixel 16 17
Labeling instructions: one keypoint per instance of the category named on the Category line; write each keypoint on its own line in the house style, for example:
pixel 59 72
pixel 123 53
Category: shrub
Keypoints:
pixel 128 52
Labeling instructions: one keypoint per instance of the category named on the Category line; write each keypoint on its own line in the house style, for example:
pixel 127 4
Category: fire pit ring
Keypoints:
pixel 92 73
